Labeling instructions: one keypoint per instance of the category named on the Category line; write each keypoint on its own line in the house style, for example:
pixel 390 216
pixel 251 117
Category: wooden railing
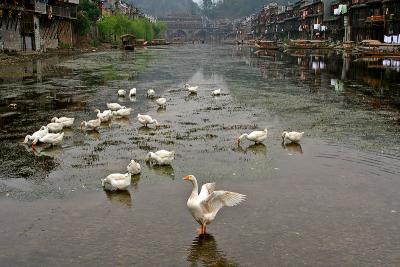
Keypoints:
pixel 376 18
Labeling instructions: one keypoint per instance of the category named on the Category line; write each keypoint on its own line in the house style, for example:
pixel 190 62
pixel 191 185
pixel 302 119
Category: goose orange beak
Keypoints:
pixel 237 141
pixel 186 178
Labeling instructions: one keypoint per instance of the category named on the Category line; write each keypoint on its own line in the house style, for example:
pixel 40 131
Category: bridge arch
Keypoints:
pixel 200 34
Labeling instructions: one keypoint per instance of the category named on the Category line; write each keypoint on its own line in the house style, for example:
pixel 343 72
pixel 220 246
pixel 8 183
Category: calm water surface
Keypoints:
pixel 331 201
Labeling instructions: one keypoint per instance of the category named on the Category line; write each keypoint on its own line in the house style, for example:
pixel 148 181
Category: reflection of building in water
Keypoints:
pixel 337 84
pixel 36 69
pixel 204 251
pixel 328 69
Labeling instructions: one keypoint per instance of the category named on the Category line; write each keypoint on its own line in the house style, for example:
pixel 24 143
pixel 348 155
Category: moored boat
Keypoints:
pixel 377 48
pixel 307 44
pixel 128 41
pixel 266 45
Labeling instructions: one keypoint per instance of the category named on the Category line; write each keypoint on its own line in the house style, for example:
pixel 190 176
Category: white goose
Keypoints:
pixel 161 157
pixel 119 181
pixel 114 106
pixel 256 136
pixel 55 127
pixel 121 93
pixel 123 112
pixel 216 92
pixel 133 167
pixel 147 119
pixel 151 93
pixel 91 125
pixel 65 121
pixel 292 136
pixel 205 206
pixel 193 89
pixel 161 101
pixel 104 116
pixel 51 138
pixel 36 135
pixel 132 92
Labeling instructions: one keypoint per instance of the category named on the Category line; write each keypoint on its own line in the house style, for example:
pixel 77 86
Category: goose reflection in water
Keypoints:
pixel 120 197
pixel 190 96
pixel 161 109
pixel 145 130
pixel 95 135
pixel 45 150
pixel 255 149
pixel 132 98
pixel 293 147
pixel 204 252
pixel 162 170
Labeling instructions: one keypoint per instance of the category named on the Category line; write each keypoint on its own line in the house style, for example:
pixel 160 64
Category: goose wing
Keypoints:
pixel 164 153
pixel 256 134
pixel 218 199
pixel 206 190
pixel 296 135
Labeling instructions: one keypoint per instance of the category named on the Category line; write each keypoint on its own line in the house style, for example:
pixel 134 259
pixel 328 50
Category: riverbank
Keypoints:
pixel 21 57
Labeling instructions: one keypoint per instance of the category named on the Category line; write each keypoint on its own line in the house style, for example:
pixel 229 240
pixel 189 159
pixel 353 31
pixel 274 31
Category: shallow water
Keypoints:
pixel 332 200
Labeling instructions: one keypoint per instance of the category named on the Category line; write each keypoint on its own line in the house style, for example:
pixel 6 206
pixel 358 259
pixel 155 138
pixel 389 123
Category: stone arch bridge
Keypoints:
pixel 187 28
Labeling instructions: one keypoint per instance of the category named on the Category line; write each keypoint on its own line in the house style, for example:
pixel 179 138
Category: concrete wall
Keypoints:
pixel 10 37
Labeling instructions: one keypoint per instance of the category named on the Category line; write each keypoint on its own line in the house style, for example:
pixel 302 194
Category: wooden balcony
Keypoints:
pixel 378 18
pixel 69 12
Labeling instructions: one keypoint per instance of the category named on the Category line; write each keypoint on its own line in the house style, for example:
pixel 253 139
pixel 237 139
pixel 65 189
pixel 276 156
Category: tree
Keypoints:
pixel 91 9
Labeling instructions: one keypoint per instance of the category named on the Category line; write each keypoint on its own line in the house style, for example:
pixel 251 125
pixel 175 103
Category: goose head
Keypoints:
pixel 190 177
pixel 97 110
pixel 54 119
pixel 284 135
pixel 157 124
pixel 83 124
pixel 149 156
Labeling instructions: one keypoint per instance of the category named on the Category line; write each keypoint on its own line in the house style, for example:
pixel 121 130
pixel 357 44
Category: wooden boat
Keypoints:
pixel 307 44
pixel 155 42
pixel 266 45
pixel 348 46
pixel 377 48
pixel 141 42
pixel 128 41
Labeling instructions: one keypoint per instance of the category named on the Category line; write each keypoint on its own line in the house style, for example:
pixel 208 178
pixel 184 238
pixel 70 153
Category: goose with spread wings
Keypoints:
pixel 205 206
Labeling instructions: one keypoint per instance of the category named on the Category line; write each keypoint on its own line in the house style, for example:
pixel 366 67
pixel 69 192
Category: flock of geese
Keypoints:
pixel 203 206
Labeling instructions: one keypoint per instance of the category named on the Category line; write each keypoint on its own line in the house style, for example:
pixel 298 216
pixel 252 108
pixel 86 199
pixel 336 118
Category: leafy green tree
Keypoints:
pixel 83 23
pixel 88 13
pixel 112 27
pixel 91 9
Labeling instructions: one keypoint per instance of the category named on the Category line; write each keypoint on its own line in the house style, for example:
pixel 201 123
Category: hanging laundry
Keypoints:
pixel 343 9
pixel 317 27
pixel 395 39
pixel 336 12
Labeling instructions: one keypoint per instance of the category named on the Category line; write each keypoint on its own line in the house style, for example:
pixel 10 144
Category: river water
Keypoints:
pixel 331 201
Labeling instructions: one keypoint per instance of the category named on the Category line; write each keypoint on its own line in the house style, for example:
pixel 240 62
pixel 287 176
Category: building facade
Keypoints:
pixel 336 20
pixel 35 25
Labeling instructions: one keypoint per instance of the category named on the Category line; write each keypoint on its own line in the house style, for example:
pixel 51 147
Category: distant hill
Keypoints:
pixel 165 7
pixel 240 8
